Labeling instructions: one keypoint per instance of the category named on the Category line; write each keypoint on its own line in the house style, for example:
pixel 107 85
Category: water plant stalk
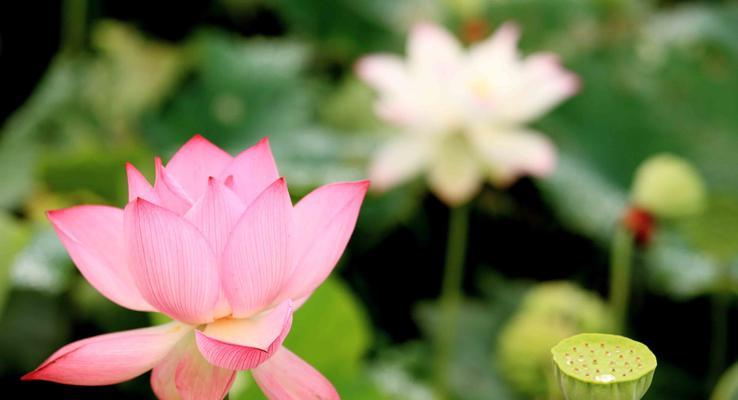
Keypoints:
pixel 620 275
pixel 451 294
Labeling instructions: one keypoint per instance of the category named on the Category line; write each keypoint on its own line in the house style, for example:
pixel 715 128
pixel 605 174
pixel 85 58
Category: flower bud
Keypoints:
pixel 596 366
pixel 668 186
pixel 549 313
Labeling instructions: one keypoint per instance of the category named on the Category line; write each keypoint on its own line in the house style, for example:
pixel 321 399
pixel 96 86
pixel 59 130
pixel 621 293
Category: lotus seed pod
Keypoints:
pixel 598 366
pixel 668 186
pixel 549 313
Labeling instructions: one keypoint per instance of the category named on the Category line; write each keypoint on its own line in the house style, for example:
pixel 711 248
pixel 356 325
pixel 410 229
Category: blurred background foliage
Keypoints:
pixel 102 83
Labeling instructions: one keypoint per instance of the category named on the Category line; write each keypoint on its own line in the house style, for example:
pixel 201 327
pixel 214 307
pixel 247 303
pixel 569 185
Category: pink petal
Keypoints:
pixel 171 262
pixel 171 193
pixel 433 51
pixel 184 374
pixel 242 344
pixel 93 237
pixel 138 186
pixel 194 162
pixel 110 358
pixel 257 260
pixel 287 377
pixel 325 220
pixel 252 170
pixel 162 376
pixel 215 214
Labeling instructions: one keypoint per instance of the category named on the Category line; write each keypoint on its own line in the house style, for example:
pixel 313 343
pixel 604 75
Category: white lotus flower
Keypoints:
pixel 462 112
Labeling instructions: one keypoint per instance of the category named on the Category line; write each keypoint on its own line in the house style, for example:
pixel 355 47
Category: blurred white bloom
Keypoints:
pixel 463 112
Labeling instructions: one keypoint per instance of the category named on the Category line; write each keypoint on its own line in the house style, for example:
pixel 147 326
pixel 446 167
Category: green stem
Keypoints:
pixel 719 344
pixel 620 270
pixel 451 293
pixel 74 26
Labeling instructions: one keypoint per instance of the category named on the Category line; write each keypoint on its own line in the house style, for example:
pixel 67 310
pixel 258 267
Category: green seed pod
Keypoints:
pixel 597 366
pixel 549 312
pixel 668 186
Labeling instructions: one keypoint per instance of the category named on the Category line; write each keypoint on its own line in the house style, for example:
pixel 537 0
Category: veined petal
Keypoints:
pixel 110 358
pixel 515 153
pixel 215 214
pixel 324 220
pixel 171 262
pixel 185 375
pixel 241 344
pixel 194 162
pixel 252 170
pixel 433 51
pixel 399 160
pixel 257 258
pixel 138 186
pixel 170 192
pixel 455 175
pixel 93 237
pixel 287 377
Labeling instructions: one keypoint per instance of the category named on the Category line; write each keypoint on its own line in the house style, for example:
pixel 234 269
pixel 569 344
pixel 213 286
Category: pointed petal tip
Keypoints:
pixel 198 137
pixel 424 26
pixel 51 214
pixel 362 67
pixel 31 376
pixel 574 84
pixel 511 28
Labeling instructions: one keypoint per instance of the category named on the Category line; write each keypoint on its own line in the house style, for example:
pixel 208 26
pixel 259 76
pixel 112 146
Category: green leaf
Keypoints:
pixel 43 264
pixel 675 269
pixel 584 200
pixel 350 107
pixel 240 91
pixel 16 161
pixel 715 231
pixel 474 374
pixel 13 236
pixel 344 29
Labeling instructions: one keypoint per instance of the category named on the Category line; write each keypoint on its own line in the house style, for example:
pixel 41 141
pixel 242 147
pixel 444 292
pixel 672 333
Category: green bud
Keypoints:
pixel 549 313
pixel 668 186
pixel 597 366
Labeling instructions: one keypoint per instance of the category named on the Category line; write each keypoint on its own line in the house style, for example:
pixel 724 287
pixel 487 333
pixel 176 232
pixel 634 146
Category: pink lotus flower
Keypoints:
pixel 462 113
pixel 217 245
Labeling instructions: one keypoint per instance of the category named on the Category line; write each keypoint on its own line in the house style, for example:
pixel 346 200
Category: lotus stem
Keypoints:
pixel 620 271
pixel 451 293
